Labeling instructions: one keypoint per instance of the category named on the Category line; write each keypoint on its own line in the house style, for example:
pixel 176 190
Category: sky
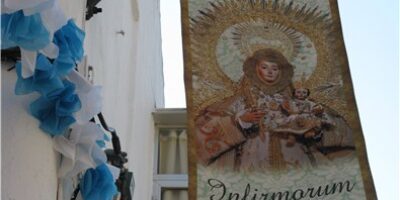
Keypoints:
pixel 371 34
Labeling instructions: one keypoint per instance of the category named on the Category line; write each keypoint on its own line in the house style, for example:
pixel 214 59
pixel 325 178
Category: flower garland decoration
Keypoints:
pixel 96 184
pixel 50 48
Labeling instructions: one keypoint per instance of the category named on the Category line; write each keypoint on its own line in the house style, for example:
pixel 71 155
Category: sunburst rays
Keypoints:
pixel 288 17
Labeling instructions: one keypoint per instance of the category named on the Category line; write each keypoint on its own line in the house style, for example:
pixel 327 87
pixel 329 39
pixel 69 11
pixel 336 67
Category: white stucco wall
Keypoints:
pixel 128 66
pixel 28 169
pixel 28 162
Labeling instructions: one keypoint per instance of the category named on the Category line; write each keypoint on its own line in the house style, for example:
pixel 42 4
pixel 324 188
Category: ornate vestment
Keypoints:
pixel 226 141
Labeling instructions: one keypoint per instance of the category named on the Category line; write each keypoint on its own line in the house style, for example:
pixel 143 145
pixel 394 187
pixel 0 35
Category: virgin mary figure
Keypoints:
pixel 238 132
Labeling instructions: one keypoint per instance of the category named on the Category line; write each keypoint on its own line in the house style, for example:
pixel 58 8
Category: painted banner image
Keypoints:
pixel 271 107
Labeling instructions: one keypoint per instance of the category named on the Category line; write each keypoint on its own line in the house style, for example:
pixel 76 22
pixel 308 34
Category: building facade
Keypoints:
pixel 123 55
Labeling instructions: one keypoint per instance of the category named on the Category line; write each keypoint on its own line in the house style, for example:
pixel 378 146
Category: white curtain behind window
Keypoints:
pixel 175 195
pixel 173 159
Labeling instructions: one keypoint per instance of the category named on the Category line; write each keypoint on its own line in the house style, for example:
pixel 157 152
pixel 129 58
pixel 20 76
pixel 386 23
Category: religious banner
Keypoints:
pixel 272 114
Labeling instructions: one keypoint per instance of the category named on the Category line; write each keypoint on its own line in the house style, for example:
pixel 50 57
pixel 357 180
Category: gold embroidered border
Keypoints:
pixel 192 58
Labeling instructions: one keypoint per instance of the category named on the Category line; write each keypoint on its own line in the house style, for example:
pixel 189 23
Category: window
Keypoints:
pixel 170 174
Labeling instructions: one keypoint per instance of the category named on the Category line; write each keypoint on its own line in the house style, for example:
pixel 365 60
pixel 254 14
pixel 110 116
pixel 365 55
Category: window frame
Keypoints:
pixel 167 119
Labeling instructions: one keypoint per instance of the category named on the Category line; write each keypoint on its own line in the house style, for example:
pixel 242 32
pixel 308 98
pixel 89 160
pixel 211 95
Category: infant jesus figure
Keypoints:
pixel 306 118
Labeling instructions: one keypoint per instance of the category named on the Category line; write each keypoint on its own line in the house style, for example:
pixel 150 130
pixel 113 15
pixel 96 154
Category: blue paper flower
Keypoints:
pixel 102 143
pixel 98 184
pixel 69 40
pixel 44 80
pixel 55 109
pixel 27 32
pixel 23 85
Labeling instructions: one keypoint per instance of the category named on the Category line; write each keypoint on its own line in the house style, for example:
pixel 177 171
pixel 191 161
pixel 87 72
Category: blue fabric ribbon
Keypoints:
pixel 27 32
pixel 98 184
pixel 55 109
pixel 69 40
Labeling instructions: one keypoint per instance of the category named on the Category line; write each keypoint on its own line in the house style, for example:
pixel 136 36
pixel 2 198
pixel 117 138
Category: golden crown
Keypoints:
pixel 255 35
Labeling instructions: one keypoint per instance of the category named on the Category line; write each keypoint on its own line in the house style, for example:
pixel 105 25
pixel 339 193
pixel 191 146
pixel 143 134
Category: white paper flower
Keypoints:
pixel 9 6
pixel 79 149
pixel 89 95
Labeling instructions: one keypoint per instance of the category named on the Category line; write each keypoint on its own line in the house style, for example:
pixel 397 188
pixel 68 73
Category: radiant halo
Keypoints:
pixel 241 40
